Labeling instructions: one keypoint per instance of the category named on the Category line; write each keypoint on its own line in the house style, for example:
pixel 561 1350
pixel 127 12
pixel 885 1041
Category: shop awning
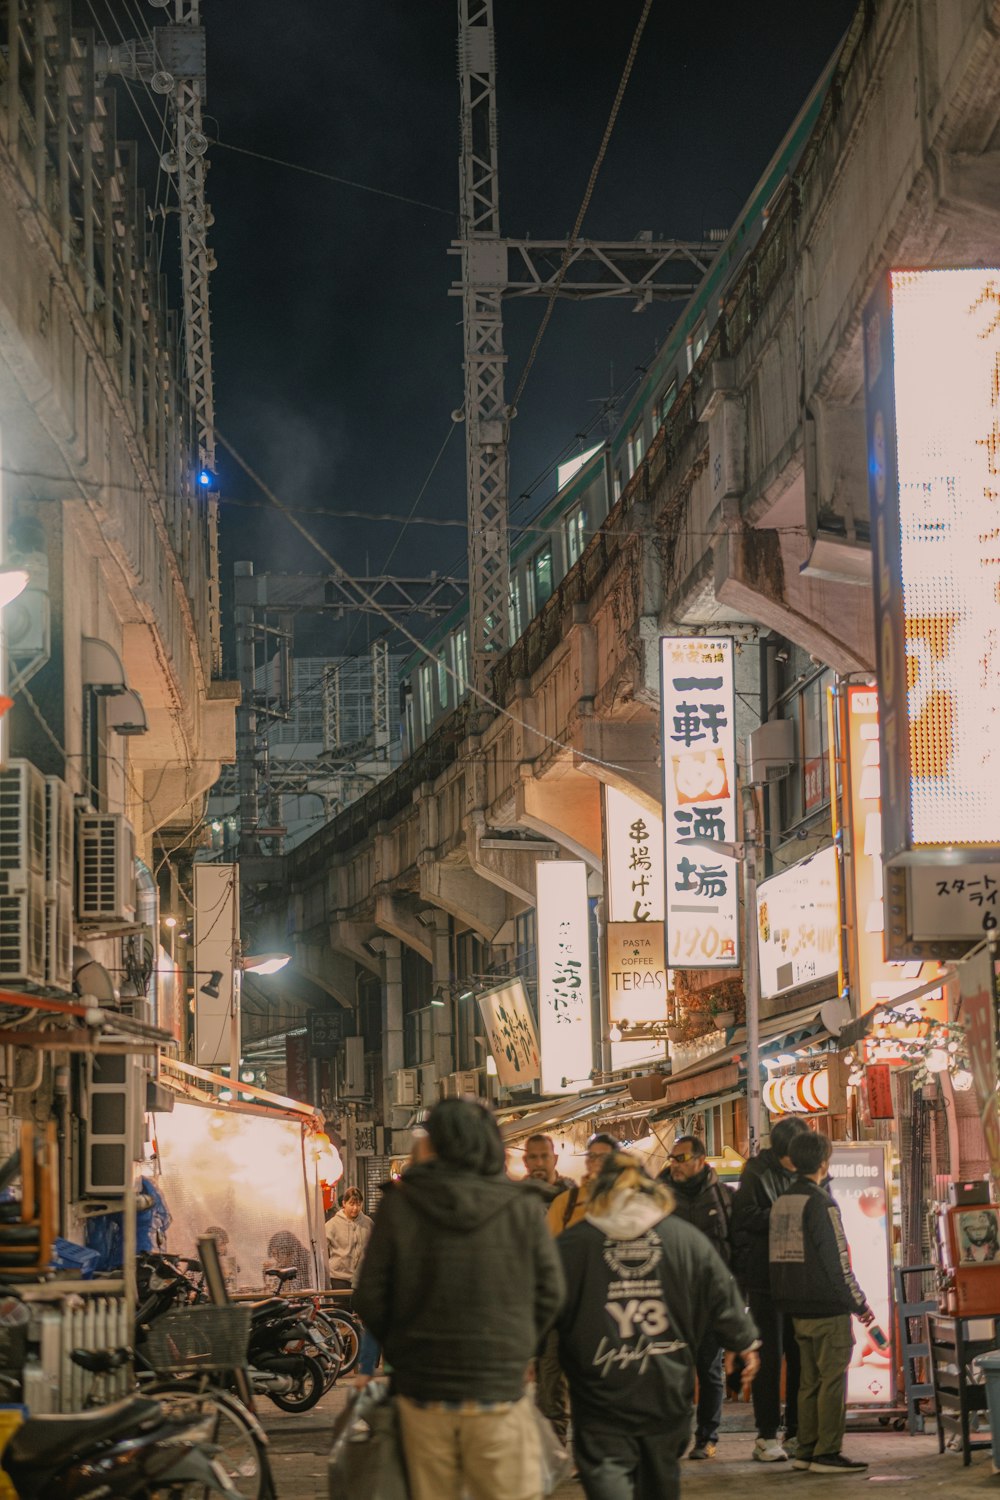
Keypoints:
pixel 564 1111
pixel 720 1071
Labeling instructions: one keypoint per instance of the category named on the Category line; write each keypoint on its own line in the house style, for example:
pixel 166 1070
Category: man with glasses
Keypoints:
pixel 701 1200
pixel 570 1207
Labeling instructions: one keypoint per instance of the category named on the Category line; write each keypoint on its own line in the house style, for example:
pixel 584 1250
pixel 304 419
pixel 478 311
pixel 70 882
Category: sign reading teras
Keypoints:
pixel 699 800
pixel 565 1007
pixel 932 384
pixel 798 924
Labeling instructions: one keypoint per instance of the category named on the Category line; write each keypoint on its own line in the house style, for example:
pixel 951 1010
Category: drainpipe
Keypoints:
pixel 147 910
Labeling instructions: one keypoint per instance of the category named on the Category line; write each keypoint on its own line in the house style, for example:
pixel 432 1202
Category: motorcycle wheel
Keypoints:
pixel 240 1456
pixel 308 1389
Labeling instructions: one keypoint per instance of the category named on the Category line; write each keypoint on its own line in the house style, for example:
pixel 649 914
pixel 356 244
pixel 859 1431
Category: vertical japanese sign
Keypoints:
pixel 979 1010
pixel 565 1005
pixel 510 1034
pixel 932 383
pixel 699 800
pixel 861 1187
pixel 298 1075
pixel 216 978
pixel 635 951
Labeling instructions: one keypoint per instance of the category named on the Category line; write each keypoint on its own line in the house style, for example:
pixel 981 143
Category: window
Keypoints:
pixel 541 576
pixel 514 607
pixel 667 400
pixel 576 534
pixel 618 484
pixel 460 645
pixel 696 341
pixel 636 448
pixel 426 697
pixel 805 791
pixel 443 679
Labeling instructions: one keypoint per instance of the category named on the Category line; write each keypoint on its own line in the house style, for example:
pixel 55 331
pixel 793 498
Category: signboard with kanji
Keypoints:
pixel 633 859
pixel 298 1075
pixel 565 1007
pixel 510 1034
pixel 699 801
pixel 326 1032
pixel 960 901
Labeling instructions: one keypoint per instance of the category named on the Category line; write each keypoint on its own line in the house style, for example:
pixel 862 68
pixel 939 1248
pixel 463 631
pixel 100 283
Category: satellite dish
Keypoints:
pixel 835 1015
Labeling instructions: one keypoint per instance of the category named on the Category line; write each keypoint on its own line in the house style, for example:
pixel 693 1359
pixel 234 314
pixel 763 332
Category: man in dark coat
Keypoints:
pixel 460 1284
pixel 644 1290
pixel 701 1200
pixel 764 1178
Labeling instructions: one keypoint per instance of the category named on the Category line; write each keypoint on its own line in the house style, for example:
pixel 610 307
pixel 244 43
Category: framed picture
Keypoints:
pixel 977 1232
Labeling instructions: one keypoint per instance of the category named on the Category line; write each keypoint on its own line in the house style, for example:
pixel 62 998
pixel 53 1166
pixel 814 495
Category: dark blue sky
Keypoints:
pixel 337 347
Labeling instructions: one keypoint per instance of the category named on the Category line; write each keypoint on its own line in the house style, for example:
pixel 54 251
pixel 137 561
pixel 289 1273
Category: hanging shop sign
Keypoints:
pixel 699 800
pixel 298 1074
pixel 960 901
pixel 638 984
pixel 979 1009
pixel 873 979
pixel 326 1032
pixel 932 352
pixel 633 859
pixel 510 1034
pixel 861 1187
pixel 216 977
pixel 878 1091
pixel 565 1006
pixel 798 924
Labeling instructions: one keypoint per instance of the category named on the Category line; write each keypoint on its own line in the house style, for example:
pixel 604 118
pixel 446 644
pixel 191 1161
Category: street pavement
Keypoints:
pixel 300 1444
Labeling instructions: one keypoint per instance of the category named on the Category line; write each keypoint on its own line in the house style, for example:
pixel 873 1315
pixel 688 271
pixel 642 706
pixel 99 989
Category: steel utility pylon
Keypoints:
pixel 589 270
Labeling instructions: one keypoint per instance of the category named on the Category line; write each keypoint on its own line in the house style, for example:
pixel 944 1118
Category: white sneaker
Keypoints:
pixel 769 1451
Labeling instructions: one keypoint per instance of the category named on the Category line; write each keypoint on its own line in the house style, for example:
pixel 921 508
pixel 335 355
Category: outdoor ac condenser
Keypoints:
pixel 405 1088
pixel 460 1085
pixel 105 868
pixel 114 1088
pixel 58 884
pixel 22 874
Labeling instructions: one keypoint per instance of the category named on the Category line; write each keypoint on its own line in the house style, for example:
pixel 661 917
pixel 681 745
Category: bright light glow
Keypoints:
pixel 170 922
pixel 264 963
pixel 206 478
pixel 13 581
pixel 216 826
pixel 946 347
pixel 798 1093
pixel 699 800
pixel 491 1066
pixel 962 1080
pixel 936 1060
pixel 615 1034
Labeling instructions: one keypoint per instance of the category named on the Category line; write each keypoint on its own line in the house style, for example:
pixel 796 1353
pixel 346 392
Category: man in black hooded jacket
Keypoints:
pixel 460 1283
pixel 764 1178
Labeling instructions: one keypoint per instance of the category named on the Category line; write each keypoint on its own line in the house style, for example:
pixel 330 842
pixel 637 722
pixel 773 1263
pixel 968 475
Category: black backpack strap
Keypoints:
pixel 571 1201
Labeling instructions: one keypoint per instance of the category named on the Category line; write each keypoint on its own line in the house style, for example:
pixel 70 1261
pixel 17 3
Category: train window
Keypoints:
pixel 636 448
pixel 666 401
pixel 618 484
pixel 514 607
pixel 698 338
pixel 461 648
pixel 576 534
pixel 426 697
pixel 442 666
pixel 541 576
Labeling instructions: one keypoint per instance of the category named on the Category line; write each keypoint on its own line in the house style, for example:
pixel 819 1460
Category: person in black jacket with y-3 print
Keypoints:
pixel 765 1177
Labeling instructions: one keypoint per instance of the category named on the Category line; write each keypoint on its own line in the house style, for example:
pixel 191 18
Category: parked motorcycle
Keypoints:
pixel 134 1450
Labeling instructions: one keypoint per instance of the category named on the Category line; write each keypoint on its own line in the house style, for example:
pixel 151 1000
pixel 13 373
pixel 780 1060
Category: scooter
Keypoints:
pixel 286 1358
pixel 133 1450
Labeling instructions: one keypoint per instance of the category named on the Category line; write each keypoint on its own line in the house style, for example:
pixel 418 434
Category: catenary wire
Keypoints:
pixel 362 187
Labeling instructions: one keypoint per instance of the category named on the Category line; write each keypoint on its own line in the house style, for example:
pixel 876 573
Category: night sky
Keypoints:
pixel 338 351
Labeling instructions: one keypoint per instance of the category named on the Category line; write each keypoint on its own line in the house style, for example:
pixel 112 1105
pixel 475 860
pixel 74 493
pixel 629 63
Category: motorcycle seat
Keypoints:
pixel 49 1440
pixel 268 1306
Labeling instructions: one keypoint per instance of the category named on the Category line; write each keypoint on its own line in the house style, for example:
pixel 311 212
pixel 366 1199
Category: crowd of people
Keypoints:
pixel 610 1309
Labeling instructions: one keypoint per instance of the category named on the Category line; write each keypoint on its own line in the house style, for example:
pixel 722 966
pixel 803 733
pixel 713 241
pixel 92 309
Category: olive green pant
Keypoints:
pixel 825 1346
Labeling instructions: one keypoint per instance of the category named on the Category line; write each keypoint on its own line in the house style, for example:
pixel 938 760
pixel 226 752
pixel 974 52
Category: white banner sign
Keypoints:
pixel 510 1033
pixel 798 924
pixel 216 979
pixel 565 1007
pixel 861 1188
pixel 699 801
pixel 633 859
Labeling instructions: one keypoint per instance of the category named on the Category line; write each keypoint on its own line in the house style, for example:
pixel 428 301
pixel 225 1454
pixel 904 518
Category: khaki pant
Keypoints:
pixel 492 1455
pixel 825 1346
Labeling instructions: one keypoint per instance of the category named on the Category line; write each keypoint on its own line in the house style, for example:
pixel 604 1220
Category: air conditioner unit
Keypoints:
pixel 353 1078
pixel 114 1089
pixel 22 931
pixel 58 834
pixel 460 1085
pixel 59 937
pixel 105 868
pixel 405 1088
pixel 770 751
pixel 22 825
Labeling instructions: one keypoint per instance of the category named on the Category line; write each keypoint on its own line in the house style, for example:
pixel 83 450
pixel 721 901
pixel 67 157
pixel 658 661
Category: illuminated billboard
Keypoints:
pixel 638 984
pixel 565 1005
pixel 862 1186
pixel 798 924
pixel 510 1034
pixel 932 381
pixel 699 800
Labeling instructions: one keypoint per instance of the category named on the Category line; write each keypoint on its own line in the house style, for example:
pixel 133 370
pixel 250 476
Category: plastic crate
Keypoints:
pixel 198 1338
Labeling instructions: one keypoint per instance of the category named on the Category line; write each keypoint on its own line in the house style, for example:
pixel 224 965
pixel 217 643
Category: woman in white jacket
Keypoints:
pixel 347 1234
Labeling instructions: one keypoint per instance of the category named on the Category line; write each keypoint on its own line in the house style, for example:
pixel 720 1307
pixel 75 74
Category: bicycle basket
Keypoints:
pixel 199 1338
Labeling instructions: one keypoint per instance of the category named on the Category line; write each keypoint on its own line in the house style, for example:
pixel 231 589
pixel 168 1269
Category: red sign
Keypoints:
pixel 814 775
pixel 298 1075
pixel 878 1086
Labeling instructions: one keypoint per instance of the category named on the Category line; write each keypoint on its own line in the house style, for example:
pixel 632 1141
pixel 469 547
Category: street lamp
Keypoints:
pixel 745 853
pixel 264 963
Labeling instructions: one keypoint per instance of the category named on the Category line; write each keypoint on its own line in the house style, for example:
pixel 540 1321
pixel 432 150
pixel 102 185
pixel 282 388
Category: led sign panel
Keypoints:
pixel 699 800
pixel 565 1008
pixel 798 924
pixel 932 377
